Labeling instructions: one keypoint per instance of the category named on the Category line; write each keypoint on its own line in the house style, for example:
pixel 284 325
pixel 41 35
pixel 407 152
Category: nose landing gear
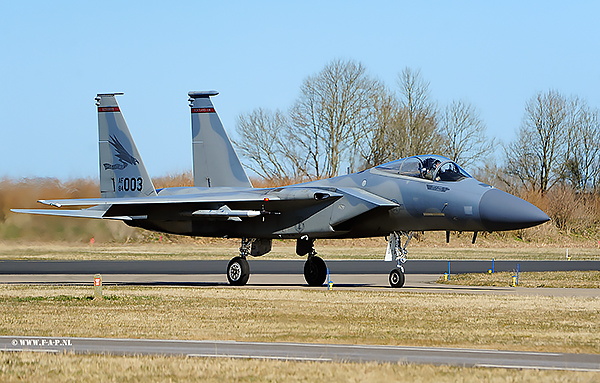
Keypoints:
pixel 397 277
pixel 396 251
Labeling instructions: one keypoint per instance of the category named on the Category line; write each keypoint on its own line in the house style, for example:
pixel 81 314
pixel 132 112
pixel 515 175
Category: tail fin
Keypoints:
pixel 122 172
pixel 215 161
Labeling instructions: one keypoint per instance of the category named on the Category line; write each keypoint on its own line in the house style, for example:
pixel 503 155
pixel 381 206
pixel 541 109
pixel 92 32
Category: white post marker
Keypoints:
pixel 98 286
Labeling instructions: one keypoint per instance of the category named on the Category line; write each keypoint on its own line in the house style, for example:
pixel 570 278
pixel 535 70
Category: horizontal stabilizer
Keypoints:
pixel 85 213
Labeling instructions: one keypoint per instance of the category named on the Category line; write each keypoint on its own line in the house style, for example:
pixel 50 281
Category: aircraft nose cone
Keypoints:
pixel 502 211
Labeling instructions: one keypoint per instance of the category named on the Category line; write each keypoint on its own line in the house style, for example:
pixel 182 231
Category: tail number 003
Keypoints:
pixel 131 184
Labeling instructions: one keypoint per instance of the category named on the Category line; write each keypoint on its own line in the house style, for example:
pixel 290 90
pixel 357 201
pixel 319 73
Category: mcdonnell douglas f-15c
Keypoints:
pixel 418 193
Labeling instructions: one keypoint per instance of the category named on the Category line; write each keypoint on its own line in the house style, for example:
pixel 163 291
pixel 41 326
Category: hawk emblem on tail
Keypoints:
pixel 122 154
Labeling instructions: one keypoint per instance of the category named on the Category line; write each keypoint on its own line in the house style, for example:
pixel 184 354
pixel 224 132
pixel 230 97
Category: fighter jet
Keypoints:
pixel 392 200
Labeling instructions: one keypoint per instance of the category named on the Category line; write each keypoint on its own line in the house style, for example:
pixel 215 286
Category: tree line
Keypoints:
pixel 345 119
pixel 558 143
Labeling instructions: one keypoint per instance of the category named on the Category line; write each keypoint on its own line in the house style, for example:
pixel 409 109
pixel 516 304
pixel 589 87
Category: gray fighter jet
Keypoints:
pixel 419 193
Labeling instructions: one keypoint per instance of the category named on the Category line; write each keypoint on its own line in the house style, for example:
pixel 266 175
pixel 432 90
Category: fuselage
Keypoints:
pixel 374 202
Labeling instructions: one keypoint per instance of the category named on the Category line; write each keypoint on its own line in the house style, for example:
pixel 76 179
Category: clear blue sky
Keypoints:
pixel 55 57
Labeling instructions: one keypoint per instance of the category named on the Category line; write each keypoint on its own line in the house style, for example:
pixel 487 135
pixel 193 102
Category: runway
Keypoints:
pixel 307 352
pixel 286 266
pixel 415 283
pixel 421 275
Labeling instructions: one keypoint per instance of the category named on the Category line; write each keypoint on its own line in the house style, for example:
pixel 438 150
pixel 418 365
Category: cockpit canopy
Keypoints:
pixel 428 166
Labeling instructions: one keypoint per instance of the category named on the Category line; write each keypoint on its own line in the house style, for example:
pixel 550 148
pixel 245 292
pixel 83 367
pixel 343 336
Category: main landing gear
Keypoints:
pixel 396 251
pixel 315 269
pixel 238 269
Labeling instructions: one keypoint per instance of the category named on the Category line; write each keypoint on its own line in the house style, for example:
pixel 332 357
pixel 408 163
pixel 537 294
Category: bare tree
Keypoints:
pixel 582 166
pixel 536 158
pixel 333 107
pixel 264 142
pixel 521 165
pixel 417 118
pixel 403 126
pixel 380 139
pixel 463 134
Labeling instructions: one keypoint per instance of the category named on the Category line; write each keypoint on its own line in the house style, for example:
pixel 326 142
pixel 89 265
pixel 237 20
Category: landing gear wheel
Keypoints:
pixel 315 271
pixel 238 271
pixel 397 278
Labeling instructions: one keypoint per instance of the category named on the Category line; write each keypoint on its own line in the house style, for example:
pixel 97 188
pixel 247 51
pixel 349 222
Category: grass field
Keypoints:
pixel 554 324
pixel 556 279
pixel 19 367
pixel 328 249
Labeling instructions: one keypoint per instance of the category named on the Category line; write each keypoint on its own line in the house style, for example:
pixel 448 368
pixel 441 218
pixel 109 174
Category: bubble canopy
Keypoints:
pixel 429 166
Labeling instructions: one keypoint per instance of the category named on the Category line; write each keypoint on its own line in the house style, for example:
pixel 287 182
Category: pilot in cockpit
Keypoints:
pixel 429 167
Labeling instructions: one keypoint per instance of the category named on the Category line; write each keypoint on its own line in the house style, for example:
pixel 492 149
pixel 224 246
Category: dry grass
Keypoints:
pixel 370 248
pixel 556 279
pixel 18 367
pixel 24 194
pixel 174 180
pixel 553 324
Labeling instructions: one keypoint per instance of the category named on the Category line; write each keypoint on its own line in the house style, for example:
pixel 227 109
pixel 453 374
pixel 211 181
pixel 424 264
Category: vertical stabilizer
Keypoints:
pixel 122 172
pixel 215 162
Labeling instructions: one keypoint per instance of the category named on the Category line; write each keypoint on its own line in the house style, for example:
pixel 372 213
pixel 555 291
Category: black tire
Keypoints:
pixel 397 278
pixel 315 271
pixel 238 271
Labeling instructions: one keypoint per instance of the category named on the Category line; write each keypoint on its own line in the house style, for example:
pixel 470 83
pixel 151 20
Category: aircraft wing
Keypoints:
pixel 129 208
pixel 256 195
pixel 314 209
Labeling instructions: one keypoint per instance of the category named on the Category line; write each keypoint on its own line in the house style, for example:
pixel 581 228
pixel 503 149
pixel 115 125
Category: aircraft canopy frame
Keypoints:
pixel 431 167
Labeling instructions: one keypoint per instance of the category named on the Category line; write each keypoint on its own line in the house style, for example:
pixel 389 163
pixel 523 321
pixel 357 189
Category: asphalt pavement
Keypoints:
pixel 285 266
pixel 307 352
